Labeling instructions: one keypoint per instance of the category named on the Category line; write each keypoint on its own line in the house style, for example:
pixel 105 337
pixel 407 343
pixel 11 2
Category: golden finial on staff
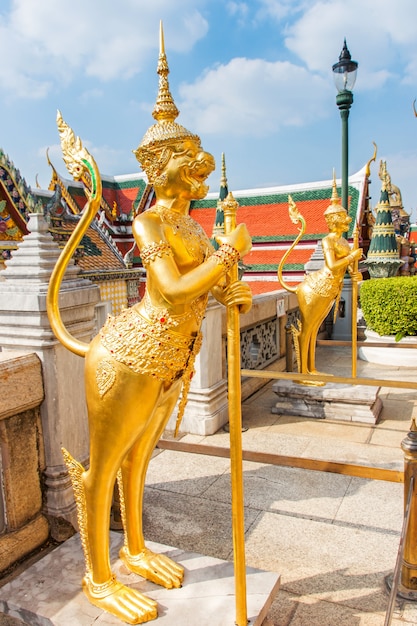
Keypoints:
pixel 230 206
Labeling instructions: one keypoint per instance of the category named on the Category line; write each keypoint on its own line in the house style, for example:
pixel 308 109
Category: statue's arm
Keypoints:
pixel 334 264
pixel 182 288
pixel 237 293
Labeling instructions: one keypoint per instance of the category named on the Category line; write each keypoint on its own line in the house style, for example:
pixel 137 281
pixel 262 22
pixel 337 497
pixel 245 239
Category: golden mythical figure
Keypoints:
pixel 320 289
pixel 137 365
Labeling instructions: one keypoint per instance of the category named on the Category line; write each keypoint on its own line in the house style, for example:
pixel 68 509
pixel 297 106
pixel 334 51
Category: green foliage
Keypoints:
pixel 389 305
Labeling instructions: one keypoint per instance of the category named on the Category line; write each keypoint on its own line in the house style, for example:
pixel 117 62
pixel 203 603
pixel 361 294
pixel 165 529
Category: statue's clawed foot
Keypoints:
pixel 317 373
pixel 158 568
pixel 126 604
pixel 311 383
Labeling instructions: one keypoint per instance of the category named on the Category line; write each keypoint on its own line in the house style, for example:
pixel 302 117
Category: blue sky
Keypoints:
pixel 253 79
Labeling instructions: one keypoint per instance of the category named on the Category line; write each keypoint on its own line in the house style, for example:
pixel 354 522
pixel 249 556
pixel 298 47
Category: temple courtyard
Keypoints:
pixel 333 538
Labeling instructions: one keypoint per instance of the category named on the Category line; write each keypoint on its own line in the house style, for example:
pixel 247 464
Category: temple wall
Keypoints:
pixel 23 526
pixel 114 291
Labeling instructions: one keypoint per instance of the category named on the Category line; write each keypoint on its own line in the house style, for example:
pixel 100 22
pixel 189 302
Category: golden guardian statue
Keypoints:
pixel 141 360
pixel 321 289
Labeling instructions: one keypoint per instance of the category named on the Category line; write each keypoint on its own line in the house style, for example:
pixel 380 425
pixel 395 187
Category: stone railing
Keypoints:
pixel 23 527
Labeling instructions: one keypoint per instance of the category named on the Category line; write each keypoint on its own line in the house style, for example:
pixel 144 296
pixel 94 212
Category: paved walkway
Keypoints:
pixel 333 538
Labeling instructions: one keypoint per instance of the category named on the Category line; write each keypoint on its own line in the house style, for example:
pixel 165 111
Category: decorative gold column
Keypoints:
pixel 230 206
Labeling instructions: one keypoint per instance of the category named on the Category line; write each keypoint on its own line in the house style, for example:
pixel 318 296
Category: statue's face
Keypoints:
pixel 185 173
pixel 338 221
pixel 346 220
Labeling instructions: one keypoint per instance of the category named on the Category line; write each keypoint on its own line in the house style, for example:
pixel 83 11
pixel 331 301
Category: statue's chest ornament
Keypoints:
pixel 189 231
pixel 341 249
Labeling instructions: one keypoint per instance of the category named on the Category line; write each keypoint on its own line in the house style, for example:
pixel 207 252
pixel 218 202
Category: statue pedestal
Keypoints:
pixel 337 401
pixel 49 592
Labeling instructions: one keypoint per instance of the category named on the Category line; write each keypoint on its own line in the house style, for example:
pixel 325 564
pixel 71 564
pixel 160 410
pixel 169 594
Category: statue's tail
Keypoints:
pixel 296 217
pixel 79 162
pixel 76 471
pixel 296 330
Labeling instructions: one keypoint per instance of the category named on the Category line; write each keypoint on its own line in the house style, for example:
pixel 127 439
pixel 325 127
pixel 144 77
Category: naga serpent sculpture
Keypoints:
pixel 141 360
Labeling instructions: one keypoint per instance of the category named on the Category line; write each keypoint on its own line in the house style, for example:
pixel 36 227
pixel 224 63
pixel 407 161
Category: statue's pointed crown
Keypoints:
pixel 166 130
pixel 335 203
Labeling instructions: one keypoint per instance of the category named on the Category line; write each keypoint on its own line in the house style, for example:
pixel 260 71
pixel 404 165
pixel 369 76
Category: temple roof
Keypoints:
pixel 98 253
pixel 122 194
pixel 264 210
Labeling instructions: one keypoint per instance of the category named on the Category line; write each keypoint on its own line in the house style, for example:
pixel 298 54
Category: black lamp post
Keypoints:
pixel 344 74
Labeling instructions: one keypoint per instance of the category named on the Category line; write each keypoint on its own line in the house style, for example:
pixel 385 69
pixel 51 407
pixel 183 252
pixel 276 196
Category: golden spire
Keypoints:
pixel 166 131
pixel 335 206
pixel 224 169
pixel 335 197
pixel 165 108
pixel 223 179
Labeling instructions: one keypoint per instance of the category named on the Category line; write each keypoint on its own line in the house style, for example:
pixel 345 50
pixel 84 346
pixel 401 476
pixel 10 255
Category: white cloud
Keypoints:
pixel 107 158
pixel 279 9
pixel 253 97
pixel 51 40
pixel 380 38
pixel 239 10
pixel 54 152
pixel 91 95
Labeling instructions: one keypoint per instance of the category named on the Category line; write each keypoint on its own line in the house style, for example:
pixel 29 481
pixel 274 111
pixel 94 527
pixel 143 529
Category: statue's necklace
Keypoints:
pixel 192 234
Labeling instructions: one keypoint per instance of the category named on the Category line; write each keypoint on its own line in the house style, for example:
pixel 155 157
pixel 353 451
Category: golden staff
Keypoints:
pixel 230 206
pixel 354 307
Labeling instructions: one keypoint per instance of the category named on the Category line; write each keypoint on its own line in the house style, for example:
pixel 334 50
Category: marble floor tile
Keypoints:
pixel 286 489
pixel 355 453
pixel 49 593
pixel 302 426
pixel 336 563
pixel 192 477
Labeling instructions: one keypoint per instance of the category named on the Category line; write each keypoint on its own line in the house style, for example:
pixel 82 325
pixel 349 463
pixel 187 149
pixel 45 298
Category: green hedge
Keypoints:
pixel 389 305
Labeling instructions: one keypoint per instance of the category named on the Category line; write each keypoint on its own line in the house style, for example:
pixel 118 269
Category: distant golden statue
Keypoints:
pixel 393 191
pixel 321 289
pixel 137 365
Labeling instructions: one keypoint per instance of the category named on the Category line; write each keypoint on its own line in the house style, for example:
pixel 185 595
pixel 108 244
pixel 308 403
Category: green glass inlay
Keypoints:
pixel 125 184
pixel 272 267
pixel 276 238
pixel 297 196
pixel 90 247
